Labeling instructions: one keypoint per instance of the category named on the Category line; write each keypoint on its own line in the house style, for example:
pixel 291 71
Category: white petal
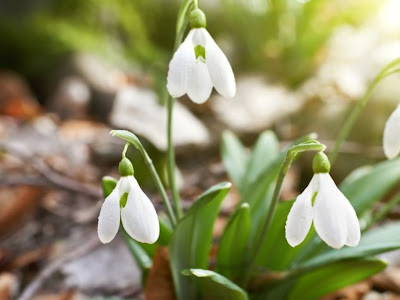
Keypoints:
pixel 125 185
pixel 219 68
pixel 199 83
pixel 391 135
pixel 179 68
pixel 109 217
pixel 139 217
pixel 329 213
pixel 199 37
pixel 352 223
pixel 300 217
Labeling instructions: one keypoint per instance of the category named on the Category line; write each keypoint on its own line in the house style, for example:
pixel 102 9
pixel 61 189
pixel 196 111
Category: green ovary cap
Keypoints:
pixel 125 167
pixel 321 163
pixel 197 18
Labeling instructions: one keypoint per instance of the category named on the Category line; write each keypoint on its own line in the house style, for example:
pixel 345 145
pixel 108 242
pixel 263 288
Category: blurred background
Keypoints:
pixel 71 70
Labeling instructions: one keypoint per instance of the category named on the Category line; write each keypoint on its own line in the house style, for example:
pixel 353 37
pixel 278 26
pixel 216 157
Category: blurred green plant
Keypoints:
pixel 286 40
pixel 278 271
pixel 34 42
pixel 287 36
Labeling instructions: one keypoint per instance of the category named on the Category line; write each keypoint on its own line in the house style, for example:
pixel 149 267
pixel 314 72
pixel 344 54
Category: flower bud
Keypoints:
pixel 197 18
pixel 321 163
pixel 125 167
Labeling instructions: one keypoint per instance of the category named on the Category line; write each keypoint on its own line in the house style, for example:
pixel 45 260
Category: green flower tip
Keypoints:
pixel 197 18
pixel 125 167
pixel 321 163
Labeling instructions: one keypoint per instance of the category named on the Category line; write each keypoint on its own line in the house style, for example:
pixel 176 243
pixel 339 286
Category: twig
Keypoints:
pixel 51 176
pixel 35 285
pixel 64 182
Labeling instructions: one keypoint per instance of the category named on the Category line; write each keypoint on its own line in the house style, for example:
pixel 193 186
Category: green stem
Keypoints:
pixel 291 154
pixel 181 25
pixel 355 113
pixel 351 119
pixel 125 149
pixel 161 189
pixel 132 139
pixel 171 161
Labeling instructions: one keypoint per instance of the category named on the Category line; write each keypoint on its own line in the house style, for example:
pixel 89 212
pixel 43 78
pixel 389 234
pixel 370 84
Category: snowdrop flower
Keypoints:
pixel 391 135
pixel 322 202
pixel 127 202
pixel 199 64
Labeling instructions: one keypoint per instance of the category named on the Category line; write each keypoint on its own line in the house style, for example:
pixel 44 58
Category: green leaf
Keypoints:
pixel 108 184
pixel 234 157
pixel 215 286
pixel 259 195
pixel 276 254
pixel 380 240
pixel 233 243
pixel 264 152
pixel 313 284
pixel 334 277
pixel 366 186
pixel 129 137
pixel 142 257
pixel 191 241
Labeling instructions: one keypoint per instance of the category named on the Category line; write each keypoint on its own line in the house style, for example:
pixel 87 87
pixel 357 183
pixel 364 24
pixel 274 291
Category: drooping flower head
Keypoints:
pixel 129 204
pixel 391 135
pixel 334 218
pixel 199 64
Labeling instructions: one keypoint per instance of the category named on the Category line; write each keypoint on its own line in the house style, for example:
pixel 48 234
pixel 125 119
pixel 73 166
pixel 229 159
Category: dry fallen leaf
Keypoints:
pixel 353 292
pixel 388 280
pixel 159 282
pixel 16 204
pixel 8 285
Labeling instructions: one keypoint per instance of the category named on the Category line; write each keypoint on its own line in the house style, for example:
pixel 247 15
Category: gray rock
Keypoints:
pixel 256 106
pixel 138 110
pixel 110 268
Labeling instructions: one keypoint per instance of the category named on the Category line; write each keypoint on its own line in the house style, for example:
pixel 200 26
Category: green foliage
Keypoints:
pixel 286 36
pixel 234 157
pixel 191 241
pixel 214 286
pixel 383 177
pixel 233 243
pixel 281 271
pixel 114 30
pixel 334 276
pixel 280 256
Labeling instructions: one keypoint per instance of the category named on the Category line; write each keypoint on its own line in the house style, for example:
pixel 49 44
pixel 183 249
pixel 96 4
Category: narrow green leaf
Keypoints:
pixel 233 243
pixel 334 277
pixel 141 256
pixel 264 152
pixel 190 243
pixel 313 284
pixel 366 189
pixel 276 254
pixel 108 184
pixel 234 157
pixel 129 137
pixel 215 286
pixel 380 240
pixel 259 195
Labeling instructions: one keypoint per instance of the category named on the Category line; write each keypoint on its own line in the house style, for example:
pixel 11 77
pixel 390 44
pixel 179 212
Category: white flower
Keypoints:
pixel 197 66
pixel 334 218
pixel 138 216
pixel 391 135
